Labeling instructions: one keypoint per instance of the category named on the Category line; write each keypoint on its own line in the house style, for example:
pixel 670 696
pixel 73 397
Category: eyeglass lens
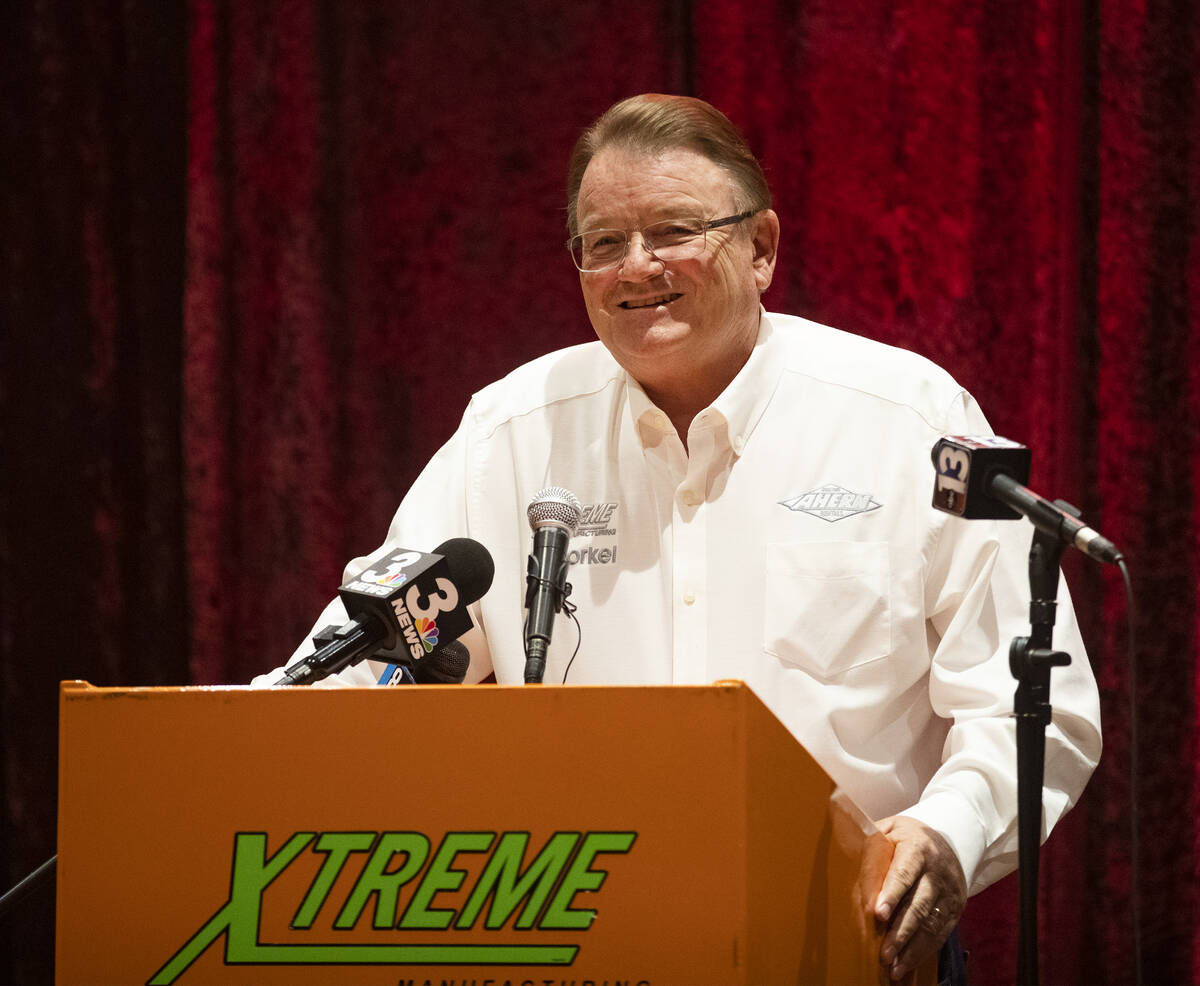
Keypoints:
pixel 672 239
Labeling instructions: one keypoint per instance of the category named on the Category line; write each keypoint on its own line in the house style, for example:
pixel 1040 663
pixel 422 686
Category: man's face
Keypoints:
pixel 694 319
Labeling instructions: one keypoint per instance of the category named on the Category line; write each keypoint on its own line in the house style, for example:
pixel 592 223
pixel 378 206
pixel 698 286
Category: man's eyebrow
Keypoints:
pixel 656 215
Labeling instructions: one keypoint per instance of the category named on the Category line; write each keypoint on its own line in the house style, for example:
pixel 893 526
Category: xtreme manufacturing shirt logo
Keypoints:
pixel 507 888
pixel 596 520
pixel 832 503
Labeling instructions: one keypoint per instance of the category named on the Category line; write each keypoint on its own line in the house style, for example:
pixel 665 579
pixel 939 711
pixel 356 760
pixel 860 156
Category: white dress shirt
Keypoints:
pixel 793 546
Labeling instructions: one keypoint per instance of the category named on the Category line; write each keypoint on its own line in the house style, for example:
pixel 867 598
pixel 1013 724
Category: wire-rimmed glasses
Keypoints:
pixel 672 239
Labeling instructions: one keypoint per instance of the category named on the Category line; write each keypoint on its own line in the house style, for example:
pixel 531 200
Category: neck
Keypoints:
pixel 681 414
pixel 681 403
pixel 683 383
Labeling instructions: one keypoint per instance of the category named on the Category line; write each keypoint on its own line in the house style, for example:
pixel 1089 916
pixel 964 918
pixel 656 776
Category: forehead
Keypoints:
pixel 623 187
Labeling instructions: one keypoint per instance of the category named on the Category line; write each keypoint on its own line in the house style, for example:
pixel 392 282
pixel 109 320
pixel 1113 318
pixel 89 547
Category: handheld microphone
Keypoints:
pixel 553 514
pixel 407 597
pixel 983 477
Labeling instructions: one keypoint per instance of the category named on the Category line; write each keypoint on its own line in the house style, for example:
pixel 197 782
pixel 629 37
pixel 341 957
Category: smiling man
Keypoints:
pixel 678 304
pixel 764 486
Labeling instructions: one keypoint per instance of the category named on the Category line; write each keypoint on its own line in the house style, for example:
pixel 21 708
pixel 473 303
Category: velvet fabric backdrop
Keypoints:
pixel 92 564
pixel 371 206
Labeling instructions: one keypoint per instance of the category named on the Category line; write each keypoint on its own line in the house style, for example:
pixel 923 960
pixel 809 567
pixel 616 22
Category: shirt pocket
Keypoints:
pixel 827 604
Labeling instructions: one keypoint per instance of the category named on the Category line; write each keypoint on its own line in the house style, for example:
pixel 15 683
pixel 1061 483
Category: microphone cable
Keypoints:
pixel 569 608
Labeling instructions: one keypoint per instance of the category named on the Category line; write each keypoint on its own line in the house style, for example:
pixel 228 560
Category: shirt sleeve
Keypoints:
pixel 977 600
pixel 434 510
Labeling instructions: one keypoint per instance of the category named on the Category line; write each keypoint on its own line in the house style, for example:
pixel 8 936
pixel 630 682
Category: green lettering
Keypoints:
pixel 441 877
pixel 252 874
pixel 337 846
pixel 508 891
pixel 375 879
pixel 579 877
pixel 503 881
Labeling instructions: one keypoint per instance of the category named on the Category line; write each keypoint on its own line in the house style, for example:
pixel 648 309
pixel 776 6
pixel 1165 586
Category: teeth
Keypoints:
pixel 649 302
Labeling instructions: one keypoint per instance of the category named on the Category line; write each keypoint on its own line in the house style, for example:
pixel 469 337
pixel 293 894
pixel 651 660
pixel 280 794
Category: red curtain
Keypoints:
pixel 92 568
pixel 237 362
pixel 376 228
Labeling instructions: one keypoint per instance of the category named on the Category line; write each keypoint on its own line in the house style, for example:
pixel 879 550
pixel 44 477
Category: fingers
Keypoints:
pixel 904 871
pixel 922 896
pixel 920 927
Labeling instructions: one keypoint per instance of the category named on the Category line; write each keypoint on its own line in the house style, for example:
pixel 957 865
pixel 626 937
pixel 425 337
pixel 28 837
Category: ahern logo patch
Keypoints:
pixel 832 502
pixel 398 877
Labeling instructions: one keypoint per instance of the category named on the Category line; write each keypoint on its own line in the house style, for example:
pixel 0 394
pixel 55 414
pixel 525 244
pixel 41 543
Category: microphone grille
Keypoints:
pixel 447 665
pixel 556 507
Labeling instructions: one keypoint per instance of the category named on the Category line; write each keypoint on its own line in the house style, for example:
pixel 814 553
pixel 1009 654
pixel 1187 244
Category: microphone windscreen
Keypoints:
pixel 555 507
pixel 445 666
pixel 471 566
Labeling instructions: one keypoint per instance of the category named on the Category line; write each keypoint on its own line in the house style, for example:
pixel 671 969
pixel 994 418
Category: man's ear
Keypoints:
pixel 765 239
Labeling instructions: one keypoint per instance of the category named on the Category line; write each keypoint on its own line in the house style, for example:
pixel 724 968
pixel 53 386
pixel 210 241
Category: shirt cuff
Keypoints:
pixel 953 817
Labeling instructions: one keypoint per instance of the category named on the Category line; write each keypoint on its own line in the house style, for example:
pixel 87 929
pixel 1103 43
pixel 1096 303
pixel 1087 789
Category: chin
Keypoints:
pixel 657 339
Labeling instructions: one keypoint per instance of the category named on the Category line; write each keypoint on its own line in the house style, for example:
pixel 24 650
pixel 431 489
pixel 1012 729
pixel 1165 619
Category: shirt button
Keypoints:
pixel 688 598
pixel 662 421
pixel 690 498
pixel 739 443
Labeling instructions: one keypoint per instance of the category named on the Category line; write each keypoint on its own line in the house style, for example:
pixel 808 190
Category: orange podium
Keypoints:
pixel 455 836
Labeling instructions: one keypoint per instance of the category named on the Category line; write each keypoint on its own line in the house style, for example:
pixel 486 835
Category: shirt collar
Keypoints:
pixel 740 406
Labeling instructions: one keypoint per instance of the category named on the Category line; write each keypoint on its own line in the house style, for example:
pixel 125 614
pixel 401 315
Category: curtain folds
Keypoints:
pixel 256 257
pixel 92 572
pixel 347 295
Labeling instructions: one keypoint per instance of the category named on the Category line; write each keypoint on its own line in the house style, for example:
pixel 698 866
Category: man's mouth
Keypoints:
pixel 662 299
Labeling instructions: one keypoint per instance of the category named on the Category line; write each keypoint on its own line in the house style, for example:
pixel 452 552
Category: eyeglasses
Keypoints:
pixel 669 240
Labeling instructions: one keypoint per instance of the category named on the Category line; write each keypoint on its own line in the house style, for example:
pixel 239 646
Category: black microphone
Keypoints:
pixel 408 597
pixel 984 477
pixel 553 514
pixel 445 666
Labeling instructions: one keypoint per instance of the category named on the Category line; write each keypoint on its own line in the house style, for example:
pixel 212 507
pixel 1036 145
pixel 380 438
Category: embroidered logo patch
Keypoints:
pixel 596 520
pixel 832 502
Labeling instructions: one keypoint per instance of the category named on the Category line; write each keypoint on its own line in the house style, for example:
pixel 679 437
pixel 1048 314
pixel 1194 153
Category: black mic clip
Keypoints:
pixel 564 604
pixel 534 579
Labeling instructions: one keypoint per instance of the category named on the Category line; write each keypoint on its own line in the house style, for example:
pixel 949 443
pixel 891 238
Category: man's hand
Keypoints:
pixel 922 897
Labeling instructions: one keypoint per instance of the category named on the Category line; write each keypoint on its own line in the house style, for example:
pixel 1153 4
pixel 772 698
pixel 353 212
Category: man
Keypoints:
pixel 758 507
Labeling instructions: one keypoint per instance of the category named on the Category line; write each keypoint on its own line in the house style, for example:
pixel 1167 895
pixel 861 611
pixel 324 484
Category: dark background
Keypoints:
pixel 255 256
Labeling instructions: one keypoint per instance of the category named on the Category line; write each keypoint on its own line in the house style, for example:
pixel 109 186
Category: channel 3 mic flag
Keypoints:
pixel 412 594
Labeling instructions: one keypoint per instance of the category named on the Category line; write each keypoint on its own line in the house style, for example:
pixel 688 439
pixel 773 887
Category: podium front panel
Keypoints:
pixel 445 835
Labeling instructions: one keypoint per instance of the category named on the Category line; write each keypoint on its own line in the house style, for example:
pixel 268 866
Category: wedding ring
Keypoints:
pixel 933 921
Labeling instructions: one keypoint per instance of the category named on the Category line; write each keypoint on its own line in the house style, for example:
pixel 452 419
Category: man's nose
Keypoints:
pixel 640 262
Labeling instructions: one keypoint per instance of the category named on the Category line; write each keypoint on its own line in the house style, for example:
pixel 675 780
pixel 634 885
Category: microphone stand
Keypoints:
pixel 1030 660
